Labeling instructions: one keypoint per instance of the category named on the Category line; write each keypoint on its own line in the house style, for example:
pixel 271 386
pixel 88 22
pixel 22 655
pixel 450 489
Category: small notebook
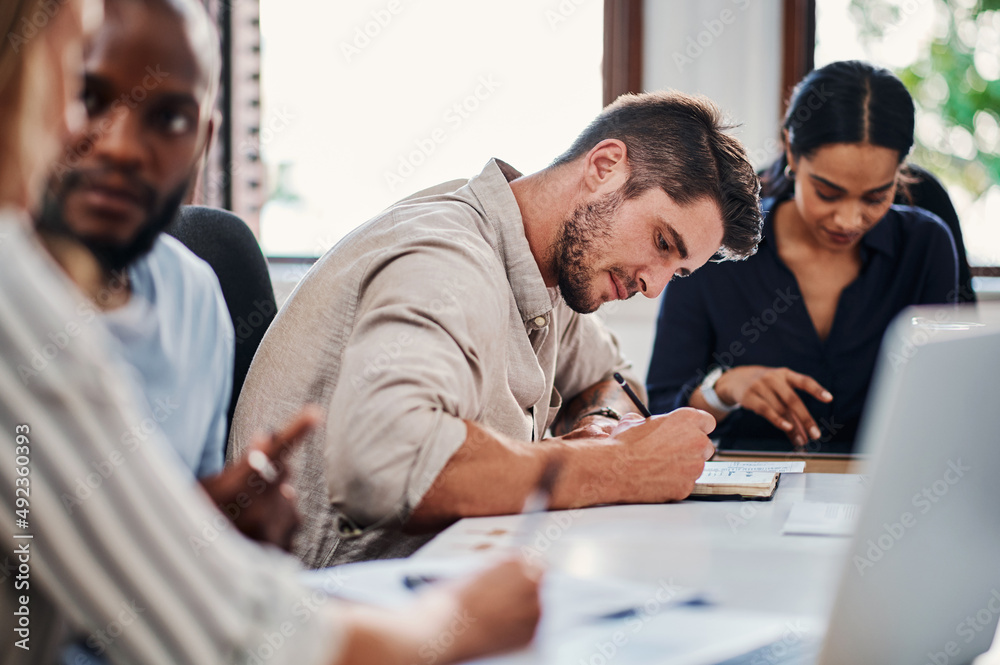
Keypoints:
pixel 721 481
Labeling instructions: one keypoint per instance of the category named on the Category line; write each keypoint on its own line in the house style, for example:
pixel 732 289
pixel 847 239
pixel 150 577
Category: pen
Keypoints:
pixel 414 582
pixel 259 462
pixel 632 396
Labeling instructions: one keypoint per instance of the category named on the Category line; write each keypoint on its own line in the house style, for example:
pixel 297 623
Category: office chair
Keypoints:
pixel 928 193
pixel 227 244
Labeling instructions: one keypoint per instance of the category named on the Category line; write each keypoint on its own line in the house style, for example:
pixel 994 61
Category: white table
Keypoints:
pixel 734 551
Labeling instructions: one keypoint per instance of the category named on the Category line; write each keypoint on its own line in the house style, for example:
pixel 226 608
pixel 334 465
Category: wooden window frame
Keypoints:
pixel 798 45
pixel 622 66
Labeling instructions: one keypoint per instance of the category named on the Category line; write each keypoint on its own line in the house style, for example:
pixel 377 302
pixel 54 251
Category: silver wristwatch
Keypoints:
pixel 708 391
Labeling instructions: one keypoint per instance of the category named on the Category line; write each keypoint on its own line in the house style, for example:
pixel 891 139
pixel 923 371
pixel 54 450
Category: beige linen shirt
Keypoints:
pixel 431 314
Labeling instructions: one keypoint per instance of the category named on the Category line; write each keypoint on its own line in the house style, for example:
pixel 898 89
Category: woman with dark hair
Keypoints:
pixel 780 348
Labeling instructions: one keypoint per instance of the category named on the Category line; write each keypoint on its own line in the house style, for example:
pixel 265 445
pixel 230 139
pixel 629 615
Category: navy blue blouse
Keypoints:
pixel 752 313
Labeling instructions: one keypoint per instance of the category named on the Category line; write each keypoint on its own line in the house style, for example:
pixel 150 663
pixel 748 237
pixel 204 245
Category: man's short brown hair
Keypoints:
pixel 677 142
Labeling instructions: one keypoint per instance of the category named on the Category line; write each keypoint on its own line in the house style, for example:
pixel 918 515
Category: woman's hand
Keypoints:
pixel 494 611
pixel 501 606
pixel 771 392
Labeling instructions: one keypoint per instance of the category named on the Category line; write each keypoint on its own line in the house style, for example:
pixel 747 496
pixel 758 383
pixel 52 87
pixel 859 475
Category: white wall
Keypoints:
pixel 730 51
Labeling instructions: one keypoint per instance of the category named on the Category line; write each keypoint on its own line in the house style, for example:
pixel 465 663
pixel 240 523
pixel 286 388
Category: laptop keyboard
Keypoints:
pixel 798 652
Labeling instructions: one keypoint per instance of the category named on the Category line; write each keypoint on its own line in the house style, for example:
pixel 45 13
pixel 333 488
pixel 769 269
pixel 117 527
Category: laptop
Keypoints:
pixel 921 582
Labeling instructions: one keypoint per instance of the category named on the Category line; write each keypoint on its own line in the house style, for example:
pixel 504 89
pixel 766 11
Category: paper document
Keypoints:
pixel 821 519
pixel 567 600
pixel 682 635
pixel 773 467
pixel 733 476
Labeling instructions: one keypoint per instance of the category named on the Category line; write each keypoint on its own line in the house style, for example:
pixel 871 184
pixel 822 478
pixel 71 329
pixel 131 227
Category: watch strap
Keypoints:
pixel 709 394
pixel 605 411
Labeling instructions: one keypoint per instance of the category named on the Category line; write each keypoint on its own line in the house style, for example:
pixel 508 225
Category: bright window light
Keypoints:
pixel 367 102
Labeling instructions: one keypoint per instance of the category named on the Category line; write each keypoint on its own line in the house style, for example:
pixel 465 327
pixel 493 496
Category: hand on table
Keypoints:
pixel 771 392
pixel 264 508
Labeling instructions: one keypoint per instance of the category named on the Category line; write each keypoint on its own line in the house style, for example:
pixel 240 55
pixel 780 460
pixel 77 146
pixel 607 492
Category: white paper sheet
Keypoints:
pixel 779 467
pixel 734 476
pixel 568 601
pixel 821 519
pixel 682 635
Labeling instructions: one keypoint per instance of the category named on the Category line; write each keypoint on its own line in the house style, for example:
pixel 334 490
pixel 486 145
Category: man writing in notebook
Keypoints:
pixel 449 335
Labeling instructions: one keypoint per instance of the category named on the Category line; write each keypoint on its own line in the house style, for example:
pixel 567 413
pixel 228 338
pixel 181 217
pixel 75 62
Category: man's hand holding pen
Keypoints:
pixel 659 458
pixel 664 454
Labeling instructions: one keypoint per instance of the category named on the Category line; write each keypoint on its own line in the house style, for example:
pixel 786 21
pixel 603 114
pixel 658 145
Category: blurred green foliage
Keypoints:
pixel 956 80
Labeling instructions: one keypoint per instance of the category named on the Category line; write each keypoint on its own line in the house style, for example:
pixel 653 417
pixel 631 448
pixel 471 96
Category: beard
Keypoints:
pixel 585 236
pixel 113 256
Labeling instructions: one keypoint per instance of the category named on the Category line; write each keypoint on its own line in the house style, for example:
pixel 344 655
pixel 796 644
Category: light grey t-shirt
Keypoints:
pixel 431 314
pixel 176 332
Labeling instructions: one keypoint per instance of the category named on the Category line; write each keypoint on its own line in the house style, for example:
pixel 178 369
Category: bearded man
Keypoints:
pixel 448 337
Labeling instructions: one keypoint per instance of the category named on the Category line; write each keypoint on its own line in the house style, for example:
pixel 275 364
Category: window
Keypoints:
pixel 948 55
pixel 364 103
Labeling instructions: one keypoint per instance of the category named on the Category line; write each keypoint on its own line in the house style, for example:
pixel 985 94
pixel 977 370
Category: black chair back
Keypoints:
pixel 227 244
pixel 928 193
